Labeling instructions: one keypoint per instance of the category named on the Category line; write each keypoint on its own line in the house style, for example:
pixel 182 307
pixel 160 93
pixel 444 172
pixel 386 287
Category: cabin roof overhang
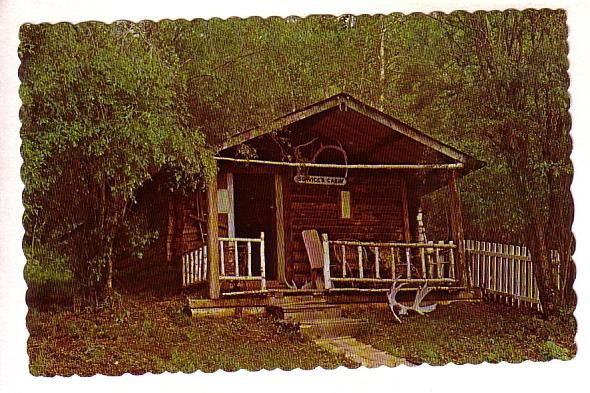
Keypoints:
pixel 369 135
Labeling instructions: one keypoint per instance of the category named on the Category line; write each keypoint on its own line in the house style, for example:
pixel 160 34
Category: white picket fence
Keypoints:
pixel 505 272
pixel 194 266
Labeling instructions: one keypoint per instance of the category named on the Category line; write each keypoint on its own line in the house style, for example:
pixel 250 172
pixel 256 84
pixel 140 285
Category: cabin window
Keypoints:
pixel 344 204
pixel 222 201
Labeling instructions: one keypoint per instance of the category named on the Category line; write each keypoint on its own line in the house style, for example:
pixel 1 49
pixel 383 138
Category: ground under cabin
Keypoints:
pixel 338 168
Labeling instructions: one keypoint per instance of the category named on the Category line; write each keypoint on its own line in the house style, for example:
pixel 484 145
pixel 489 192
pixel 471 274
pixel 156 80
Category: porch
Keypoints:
pixel 347 266
pixel 348 172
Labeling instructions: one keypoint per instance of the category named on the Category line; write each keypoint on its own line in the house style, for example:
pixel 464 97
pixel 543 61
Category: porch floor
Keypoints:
pixel 259 302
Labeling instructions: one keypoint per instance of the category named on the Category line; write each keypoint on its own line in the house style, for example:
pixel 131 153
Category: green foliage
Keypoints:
pixel 157 337
pixel 555 351
pixel 103 112
pixel 108 107
pixel 487 333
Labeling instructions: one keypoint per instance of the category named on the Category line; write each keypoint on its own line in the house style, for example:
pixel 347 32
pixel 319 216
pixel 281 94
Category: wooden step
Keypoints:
pixel 298 299
pixel 334 327
pixel 308 312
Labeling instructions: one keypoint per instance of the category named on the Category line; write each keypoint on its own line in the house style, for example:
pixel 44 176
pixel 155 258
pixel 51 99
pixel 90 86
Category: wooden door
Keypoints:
pixel 254 198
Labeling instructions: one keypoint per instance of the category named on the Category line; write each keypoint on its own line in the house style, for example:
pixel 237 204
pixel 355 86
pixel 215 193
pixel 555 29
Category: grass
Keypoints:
pixel 472 333
pixel 138 336
pixel 129 335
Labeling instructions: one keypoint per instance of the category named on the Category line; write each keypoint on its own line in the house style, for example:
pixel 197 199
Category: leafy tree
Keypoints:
pixel 103 112
pixel 497 82
pixel 106 108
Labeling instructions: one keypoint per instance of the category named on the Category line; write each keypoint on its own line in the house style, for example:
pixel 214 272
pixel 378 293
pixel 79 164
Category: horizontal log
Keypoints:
pixel 336 227
pixel 360 290
pixel 343 166
pixel 240 278
pixel 239 239
pixel 392 280
pixel 392 244
pixel 240 293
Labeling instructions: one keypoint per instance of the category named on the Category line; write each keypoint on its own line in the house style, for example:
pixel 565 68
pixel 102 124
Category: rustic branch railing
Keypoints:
pixel 505 272
pixel 194 266
pixel 235 257
pixel 387 262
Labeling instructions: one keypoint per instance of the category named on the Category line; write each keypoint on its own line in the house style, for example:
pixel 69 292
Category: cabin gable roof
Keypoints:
pixel 345 102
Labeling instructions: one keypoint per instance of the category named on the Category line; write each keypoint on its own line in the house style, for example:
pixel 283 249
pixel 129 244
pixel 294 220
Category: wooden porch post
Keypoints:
pixel 212 240
pixel 280 228
pixel 457 229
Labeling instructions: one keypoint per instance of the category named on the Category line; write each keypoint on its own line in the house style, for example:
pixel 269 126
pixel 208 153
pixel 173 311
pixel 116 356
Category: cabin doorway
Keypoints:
pixel 254 209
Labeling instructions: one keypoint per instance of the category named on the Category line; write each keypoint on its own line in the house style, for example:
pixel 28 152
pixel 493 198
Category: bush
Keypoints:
pixel 49 279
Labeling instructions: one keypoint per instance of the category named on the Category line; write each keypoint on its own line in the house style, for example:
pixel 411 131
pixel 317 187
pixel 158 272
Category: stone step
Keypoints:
pixel 333 327
pixel 309 312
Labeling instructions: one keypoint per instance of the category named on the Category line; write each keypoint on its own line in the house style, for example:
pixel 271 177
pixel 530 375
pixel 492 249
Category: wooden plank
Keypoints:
pixel 205 259
pixel 184 270
pixel 280 229
pixel 240 278
pixel 439 266
pixel 239 239
pixel 405 213
pixel 344 166
pixel 377 262
pixel 262 263
pixel 345 204
pixel 389 280
pixel 506 272
pixel 212 241
pixel 423 261
pixel 452 262
pixel 501 273
pixel 236 258
pixel 249 252
pixel 494 286
pixel 529 278
pixel 231 220
pixel 394 252
pixel 512 262
pixel 394 244
pixel 343 249
pixel 360 261
pixel 517 277
pixel 222 258
pixel 408 264
pixel 326 260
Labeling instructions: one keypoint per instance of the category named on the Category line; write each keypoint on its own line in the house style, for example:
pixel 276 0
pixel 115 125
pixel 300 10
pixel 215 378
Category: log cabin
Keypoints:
pixel 339 168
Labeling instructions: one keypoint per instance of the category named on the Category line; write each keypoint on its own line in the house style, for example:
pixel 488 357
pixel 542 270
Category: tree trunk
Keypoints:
pixel 457 231
pixel 541 257
pixel 109 284
pixel 382 66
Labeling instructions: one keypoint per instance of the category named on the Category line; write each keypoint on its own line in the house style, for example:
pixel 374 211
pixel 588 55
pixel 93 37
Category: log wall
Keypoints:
pixel 376 215
pixel 187 224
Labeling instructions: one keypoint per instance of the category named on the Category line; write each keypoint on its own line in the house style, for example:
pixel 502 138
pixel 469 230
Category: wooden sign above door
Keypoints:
pixel 321 180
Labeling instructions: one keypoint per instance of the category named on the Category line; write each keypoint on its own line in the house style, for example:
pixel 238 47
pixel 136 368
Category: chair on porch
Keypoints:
pixel 313 246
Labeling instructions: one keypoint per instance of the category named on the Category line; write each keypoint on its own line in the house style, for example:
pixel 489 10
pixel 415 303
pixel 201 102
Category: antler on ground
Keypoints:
pixel 403 310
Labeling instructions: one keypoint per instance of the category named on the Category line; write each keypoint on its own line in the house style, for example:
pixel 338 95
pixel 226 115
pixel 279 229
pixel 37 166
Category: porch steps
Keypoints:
pixel 315 317
pixel 333 327
pixel 301 313
pixel 360 353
